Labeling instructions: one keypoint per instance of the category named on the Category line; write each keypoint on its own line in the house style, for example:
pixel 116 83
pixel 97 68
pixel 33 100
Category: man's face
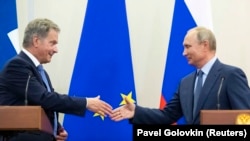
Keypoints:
pixel 46 47
pixel 194 51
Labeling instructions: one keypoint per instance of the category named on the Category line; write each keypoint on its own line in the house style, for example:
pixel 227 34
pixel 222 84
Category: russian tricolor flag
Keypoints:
pixel 187 14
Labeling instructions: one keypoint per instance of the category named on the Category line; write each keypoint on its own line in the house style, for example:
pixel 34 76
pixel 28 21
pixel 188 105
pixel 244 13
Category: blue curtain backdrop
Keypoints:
pixel 8 18
pixel 103 67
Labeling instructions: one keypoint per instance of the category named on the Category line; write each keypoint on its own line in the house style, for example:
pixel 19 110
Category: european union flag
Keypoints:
pixel 103 67
pixel 8 30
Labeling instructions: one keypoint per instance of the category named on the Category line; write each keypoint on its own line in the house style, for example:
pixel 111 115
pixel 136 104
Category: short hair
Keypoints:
pixel 203 33
pixel 40 28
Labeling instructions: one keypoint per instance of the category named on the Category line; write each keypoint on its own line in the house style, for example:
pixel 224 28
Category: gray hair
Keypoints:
pixel 40 28
pixel 203 34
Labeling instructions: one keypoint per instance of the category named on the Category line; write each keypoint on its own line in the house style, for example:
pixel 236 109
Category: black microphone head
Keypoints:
pixel 30 73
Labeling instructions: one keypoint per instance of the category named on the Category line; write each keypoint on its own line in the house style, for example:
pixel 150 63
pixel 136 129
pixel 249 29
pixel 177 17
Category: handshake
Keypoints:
pixel 101 107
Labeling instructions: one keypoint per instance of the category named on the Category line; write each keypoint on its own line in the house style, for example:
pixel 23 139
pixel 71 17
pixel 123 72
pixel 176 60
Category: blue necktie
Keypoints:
pixel 197 90
pixel 41 71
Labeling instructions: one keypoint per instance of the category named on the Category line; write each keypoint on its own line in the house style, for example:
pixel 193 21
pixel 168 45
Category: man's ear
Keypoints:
pixel 36 41
pixel 205 43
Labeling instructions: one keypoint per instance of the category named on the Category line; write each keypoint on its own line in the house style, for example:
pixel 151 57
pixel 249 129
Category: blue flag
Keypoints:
pixel 8 30
pixel 184 18
pixel 103 67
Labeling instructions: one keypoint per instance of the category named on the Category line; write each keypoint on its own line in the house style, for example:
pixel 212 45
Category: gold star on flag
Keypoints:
pixel 129 96
pixel 101 116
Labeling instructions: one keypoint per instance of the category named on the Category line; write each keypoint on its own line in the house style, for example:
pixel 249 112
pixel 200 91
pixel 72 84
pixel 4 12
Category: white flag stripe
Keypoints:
pixel 201 12
pixel 13 36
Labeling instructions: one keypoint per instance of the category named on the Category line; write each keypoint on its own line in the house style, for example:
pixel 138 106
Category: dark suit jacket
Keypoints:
pixel 13 79
pixel 235 94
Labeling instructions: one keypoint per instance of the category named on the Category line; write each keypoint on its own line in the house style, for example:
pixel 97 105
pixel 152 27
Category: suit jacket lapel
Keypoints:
pixel 213 75
pixel 187 96
pixel 23 56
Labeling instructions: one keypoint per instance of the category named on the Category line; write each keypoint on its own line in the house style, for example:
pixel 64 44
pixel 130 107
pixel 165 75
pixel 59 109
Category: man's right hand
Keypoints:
pixel 99 106
pixel 126 111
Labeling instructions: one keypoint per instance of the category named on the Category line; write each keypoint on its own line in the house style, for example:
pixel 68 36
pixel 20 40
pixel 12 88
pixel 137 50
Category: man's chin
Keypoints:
pixel 191 63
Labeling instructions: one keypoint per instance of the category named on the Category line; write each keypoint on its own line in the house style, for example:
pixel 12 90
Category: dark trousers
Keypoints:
pixel 28 136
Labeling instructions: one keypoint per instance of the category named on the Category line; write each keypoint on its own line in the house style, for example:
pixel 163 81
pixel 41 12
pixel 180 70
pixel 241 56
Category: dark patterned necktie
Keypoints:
pixel 197 90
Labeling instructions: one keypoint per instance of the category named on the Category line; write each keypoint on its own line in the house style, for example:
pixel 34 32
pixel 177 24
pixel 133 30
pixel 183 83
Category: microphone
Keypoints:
pixel 26 90
pixel 218 93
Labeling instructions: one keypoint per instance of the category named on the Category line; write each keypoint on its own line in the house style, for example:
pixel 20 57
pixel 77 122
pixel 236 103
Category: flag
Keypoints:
pixel 9 45
pixel 103 67
pixel 187 14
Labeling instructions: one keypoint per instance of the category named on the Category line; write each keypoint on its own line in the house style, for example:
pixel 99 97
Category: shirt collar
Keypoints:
pixel 31 56
pixel 206 68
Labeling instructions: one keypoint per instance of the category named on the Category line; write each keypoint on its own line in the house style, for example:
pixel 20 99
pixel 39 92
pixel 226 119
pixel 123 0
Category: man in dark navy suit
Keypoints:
pixel 39 45
pixel 199 49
